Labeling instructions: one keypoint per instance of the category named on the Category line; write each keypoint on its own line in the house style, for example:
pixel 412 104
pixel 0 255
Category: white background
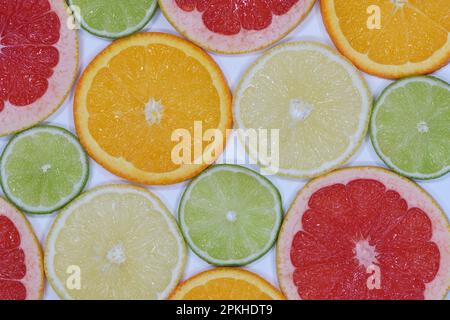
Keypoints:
pixel 311 29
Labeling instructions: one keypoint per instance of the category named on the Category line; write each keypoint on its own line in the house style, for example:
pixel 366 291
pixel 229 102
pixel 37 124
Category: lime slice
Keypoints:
pixel 410 127
pixel 230 215
pixel 115 242
pixel 113 18
pixel 317 100
pixel 42 169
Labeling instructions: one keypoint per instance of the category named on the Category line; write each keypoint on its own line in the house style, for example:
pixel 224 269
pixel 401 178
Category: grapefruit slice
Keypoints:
pixel 38 61
pixel 235 26
pixel 226 284
pixel 364 233
pixel 21 264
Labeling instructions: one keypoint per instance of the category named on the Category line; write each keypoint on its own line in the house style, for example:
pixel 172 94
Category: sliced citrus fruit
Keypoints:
pixel 38 61
pixel 138 93
pixel 230 215
pixel 410 127
pixel 120 241
pixel 21 266
pixel 317 100
pixel 43 168
pixel 226 284
pixel 364 233
pixel 390 39
pixel 235 26
pixel 113 18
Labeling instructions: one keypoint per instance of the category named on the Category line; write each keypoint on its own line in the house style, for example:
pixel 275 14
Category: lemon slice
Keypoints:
pixel 317 100
pixel 115 242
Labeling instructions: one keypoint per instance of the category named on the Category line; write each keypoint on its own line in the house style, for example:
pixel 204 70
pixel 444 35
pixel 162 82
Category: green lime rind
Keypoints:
pixel 25 165
pixel 415 155
pixel 112 35
pixel 214 221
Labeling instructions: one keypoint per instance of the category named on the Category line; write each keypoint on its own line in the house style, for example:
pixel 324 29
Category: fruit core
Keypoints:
pixel 229 17
pixel 399 3
pixel 299 110
pixel 365 253
pixel 231 216
pixel 154 111
pixel 117 254
pixel 422 127
pixel 45 168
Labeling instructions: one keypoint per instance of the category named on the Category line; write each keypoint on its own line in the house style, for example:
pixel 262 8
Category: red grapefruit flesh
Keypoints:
pixel 21 264
pixel 235 26
pixel 364 233
pixel 38 61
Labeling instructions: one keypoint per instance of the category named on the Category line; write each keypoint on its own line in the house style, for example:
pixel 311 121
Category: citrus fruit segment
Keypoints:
pixel 364 233
pixel 38 61
pixel 235 26
pixel 113 18
pixel 410 127
pixel 230 215
pixel 317 100
pixel 121 241
pixel 144 97
pixel 21 266
pixel 226 284
pixel 43 168
pixel 390 39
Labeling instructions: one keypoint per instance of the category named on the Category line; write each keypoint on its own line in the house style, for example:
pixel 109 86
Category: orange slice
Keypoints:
pixel 391 38
pixel 226 284
pixel 137 93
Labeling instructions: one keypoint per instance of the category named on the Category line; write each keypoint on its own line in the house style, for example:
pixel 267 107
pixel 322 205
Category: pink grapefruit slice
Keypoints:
pixel 235 26
pixel 38 61
pixel 21 262
pixel 364 233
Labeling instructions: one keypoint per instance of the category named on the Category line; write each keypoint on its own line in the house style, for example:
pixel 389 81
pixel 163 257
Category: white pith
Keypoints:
pixel 300 110
pixel 231 216
pixel 365 253
pixel 422 127
pixel 154 111
pixel 116 255
pixel 399 3
pixel 415 196
pixel 304 111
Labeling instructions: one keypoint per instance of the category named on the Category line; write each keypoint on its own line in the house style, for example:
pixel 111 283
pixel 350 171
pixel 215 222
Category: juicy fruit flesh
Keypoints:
pixel 42 169
pixel 349 231
pixel 123 245
pixel 30 29
pixel 137 80
pixel 412 127
pixel 113 16
pixel 317 110
pixel 230 216
pixel 229 17
pixel 226 289
pixel 410 32
pixel 12 262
